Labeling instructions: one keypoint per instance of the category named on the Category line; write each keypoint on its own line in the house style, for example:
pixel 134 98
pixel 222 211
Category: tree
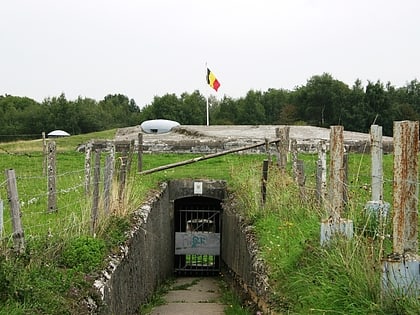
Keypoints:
pixel 250 109
pixel 192 109
pixel 226 112
pixel 273 102
pixel 322 101
pixel 378 108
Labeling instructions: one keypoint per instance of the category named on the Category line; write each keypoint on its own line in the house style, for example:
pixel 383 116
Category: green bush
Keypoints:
pixel 84 254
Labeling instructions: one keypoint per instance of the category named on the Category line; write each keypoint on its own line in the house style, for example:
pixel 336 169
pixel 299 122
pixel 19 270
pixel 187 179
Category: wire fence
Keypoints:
pixel 74 204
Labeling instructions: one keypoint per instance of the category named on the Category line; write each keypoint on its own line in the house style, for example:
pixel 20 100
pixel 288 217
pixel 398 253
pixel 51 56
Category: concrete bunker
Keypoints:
pixel 197 208
pixel 217 243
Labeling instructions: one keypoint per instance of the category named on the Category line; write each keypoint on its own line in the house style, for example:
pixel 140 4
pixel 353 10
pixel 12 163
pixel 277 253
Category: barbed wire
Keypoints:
pixel 34 204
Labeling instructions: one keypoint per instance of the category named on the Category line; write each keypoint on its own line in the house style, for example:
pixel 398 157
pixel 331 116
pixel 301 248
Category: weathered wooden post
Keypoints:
pixel 321 174
pixel 300 178
pixel 44 154
pixel 1 219
pixel 140 152
pixel 335 224
pixel 267 149
pixel 401 269
pixel 264 182
pixel 377 210
pixel 12 195
pixel 346 178
pixel 283 134
pixel 51 177
pixel 108 176
pixel 88 157
pixel 95 200
pixel 294 153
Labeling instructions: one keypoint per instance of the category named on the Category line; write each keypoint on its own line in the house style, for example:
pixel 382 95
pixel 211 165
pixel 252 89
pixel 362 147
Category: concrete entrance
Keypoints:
pixel 197 210
pixel 197 235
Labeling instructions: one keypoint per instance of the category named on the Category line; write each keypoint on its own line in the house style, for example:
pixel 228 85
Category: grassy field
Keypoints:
pixel 305 278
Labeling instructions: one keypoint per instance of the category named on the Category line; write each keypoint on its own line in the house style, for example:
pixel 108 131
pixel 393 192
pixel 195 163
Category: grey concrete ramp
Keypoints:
pixel 192 296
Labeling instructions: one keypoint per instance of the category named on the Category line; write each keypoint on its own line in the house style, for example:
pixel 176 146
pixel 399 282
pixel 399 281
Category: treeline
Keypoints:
pixel 323 101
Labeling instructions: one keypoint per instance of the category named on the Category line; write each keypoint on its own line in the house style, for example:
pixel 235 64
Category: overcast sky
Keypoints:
pixel 147 48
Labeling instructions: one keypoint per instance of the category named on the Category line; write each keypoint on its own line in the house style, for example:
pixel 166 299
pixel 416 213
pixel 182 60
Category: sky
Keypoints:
pixel 148 48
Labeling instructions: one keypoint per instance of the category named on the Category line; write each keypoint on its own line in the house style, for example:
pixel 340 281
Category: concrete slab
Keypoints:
pixel 189 309
pixel 192 295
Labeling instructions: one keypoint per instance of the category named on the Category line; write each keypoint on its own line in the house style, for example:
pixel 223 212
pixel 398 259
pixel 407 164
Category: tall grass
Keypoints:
pixel 305 277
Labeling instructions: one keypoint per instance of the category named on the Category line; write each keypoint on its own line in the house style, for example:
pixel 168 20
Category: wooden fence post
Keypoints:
pixel 267 149
pixel 294 151
pixel 300 178
pixel 345 178
pixel 95 200
pixel 108 176
pixel 264 182
pixel 335 224
pixel 52 172
pixel 88 157
pixel 140 152
pixel 321 177
pixel 401 268
pixel 44 153
pixel 12 195
pixel 1 219
pixel 283 135
pixel 122 176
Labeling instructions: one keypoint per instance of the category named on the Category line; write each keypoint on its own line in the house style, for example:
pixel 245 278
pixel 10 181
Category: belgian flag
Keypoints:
pixel 212 80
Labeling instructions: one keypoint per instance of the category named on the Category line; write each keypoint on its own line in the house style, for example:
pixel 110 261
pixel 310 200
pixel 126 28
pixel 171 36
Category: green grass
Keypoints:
pixel 305 278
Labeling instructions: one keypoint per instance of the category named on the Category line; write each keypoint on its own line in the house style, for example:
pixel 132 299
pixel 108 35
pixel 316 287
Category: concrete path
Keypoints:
pixel 192 296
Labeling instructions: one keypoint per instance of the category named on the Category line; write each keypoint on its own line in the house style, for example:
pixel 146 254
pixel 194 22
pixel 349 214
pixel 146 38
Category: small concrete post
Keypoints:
pixel 401 269
pixel 336 187
pixel 406 145
pixel 377 210
pixel 321 178
pixel 376 154
pixel 335 224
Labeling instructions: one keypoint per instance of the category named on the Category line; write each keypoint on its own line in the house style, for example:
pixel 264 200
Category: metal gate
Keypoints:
pixel 197 235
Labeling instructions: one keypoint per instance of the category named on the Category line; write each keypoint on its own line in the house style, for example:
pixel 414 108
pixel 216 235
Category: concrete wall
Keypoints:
pixel 143 263
pixel 244 268
pixel 182 188
pixel 147 258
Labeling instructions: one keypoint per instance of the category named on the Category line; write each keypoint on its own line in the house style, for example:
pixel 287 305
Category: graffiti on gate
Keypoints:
pixel 195 243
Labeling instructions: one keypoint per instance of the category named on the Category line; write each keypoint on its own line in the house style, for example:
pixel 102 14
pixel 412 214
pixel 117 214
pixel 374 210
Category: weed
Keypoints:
pixel 84 254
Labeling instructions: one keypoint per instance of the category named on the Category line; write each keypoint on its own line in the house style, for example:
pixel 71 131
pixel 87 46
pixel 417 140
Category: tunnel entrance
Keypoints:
pixel 197 221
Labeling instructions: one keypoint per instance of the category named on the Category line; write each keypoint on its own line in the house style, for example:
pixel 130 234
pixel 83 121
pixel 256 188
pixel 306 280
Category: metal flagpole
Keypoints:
pixel 207 102
pixel 207 110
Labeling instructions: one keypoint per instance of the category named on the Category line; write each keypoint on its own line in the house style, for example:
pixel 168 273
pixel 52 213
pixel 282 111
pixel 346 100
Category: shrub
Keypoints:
pixel 84 254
